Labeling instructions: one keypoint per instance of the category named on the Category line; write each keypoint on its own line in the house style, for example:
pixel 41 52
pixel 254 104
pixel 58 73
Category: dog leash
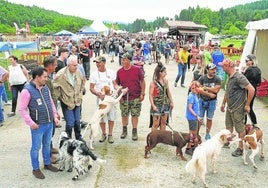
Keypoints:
pixel 172 134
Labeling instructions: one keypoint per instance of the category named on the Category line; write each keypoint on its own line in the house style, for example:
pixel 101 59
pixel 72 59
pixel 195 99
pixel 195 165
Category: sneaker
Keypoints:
pixel 182 85
pixel 11 114
pixel 207 137
pixel 226 145
pixel 103 138
pixel 1 123
pixel 175 84
pixel 110 139
pixel 238 152
pixel 51 168
pixel 189 151
pixel 38 174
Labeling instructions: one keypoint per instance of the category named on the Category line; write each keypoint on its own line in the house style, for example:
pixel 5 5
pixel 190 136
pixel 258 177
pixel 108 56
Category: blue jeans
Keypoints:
pixel 181 72
pixel 41 136
pixel 4 93
pixel 1 111
pixel 72 118
pixel 207 107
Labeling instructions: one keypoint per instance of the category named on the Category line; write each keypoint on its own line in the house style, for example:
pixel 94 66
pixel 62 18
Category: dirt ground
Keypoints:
pixel 126 166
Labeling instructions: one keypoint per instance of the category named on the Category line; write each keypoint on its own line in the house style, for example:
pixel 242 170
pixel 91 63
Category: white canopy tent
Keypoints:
pixel 208 36
pixel 99 27
pixel 120 31
pixel 161 31
pixel 257 43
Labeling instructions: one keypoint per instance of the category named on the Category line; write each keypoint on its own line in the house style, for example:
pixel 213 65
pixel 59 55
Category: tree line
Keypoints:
pixel 231 21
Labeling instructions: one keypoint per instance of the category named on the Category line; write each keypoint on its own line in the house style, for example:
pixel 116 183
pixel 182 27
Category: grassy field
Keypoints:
pixel 237 43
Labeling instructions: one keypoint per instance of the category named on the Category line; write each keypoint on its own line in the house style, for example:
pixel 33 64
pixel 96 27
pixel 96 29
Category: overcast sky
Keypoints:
pixel 126 10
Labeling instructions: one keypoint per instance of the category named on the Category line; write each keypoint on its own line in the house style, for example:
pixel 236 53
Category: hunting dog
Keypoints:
pixel 172 138
pixel 254 135
pixel 76 154
pixel 104 107
pixel 208 150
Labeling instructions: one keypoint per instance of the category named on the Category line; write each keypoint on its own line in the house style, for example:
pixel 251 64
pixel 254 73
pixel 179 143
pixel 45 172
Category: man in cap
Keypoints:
pixel 131 78
pixel 98 79
pixel 238 95
pixel 211 85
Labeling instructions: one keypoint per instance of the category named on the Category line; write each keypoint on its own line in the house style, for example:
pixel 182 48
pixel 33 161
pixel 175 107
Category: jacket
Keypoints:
pixel 64 90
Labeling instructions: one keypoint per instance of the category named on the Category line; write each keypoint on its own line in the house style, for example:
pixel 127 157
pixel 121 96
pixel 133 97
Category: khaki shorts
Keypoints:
pixel 133 107
pixel 235 119
pixel 111 116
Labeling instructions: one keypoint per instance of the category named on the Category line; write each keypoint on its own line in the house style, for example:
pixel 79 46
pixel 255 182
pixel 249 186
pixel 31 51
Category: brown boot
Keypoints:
pixel 51 168
pixel 124 133
pixel 134 134
pixel 38 174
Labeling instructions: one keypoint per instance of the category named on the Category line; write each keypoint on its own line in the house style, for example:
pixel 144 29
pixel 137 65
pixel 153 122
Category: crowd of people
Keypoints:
pixel 62 83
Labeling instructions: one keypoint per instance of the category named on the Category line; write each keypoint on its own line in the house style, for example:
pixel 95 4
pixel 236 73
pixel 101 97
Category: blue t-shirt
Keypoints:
pixel 217 56
pixel 192 99
pixel 146 48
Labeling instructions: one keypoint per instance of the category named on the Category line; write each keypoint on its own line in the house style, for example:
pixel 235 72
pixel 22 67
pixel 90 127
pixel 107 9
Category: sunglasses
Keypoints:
pixel 247 60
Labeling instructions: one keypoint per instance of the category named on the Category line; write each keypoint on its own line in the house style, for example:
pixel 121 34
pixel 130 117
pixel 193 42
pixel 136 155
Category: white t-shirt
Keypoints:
pixel 100 79
pixel 16 75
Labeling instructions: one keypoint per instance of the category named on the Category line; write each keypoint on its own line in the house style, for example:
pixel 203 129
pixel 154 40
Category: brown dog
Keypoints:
pixel 174 138
pixel 254 135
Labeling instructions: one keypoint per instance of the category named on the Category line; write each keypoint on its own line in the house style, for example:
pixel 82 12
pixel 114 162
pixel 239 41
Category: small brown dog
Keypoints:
pixel 254 135
pixel 174 138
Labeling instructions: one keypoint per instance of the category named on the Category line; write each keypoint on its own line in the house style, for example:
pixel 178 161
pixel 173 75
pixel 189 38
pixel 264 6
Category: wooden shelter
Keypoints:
pixel 179 28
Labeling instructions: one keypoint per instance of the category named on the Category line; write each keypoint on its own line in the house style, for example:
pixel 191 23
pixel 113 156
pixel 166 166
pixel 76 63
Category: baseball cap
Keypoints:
pixel 127 56
pixel 100 59
pixel 211 66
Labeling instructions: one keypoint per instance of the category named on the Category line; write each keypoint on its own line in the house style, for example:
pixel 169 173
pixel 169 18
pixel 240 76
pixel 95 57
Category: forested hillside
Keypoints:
pixel 40 20
pixel 225 21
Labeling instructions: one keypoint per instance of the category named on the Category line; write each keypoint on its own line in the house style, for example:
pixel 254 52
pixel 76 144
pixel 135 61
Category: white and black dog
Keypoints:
pixel 76 154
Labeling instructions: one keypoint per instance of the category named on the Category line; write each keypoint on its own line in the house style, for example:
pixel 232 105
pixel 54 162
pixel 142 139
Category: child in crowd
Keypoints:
pixel 192 110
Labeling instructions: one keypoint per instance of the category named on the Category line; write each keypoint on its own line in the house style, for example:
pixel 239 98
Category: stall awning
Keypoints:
pixel 185 31
pixel 175 31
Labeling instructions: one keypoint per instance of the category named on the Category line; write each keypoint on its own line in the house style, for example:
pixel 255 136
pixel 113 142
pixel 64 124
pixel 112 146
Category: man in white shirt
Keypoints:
pixel 99 78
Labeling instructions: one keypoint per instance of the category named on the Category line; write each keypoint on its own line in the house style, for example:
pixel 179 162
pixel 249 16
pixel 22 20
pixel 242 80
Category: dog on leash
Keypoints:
pixel 254 135
pixel 172 138
pixel 76 154
pixel 207 151
pixel 104 107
